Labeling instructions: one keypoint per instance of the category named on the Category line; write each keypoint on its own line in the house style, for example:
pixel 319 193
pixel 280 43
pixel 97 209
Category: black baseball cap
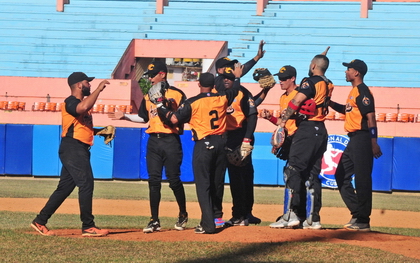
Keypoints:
pixel 155 67
pixel 228 73
pixel 224 62
pixel 286 72
pixel 206 80
pixel 76 77
pixel 358 65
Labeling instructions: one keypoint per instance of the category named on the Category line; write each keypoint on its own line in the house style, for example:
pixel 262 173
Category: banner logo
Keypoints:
pixel 332 156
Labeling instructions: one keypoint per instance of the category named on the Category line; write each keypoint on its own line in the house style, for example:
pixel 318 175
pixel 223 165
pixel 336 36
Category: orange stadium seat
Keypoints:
pixel 122 108
pixel 402 117
pixel 418 118
pixel 380 117
pixel 390 117
pixel 129 109
pixel 21 105
pixel 410 117
pixel 59 106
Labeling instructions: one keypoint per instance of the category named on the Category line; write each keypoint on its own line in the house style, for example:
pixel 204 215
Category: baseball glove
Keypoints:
pixel 264 78
pixel 278 137
pixel 157 92
pixel 235 157
pixel 283 152
pixel 108 133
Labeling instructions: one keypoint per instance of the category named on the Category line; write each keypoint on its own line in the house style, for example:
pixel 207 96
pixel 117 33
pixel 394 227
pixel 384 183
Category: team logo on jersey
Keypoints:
pixel 366 101
pixel 348 107
pixel 305 85
pixel 251 103
pixel 335 148
pixel 230 110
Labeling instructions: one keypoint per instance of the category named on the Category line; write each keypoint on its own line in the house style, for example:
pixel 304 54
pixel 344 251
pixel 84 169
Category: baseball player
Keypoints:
pixel 309 144
pixel 76 140
pixel 287 78
pixel 224 62
pixel 163 148
pixel 221 65
pixel 206 114
pixel 357 158
pixel 241 123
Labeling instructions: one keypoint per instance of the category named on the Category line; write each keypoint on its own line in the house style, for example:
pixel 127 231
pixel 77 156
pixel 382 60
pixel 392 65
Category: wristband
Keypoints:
pixel 273 120
pixel 247 140
pixel 293 106
pixel 373 132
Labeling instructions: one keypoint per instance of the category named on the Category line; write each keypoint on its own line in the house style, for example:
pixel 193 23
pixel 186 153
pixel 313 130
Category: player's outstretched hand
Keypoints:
pixel 261 50
pixel 117 115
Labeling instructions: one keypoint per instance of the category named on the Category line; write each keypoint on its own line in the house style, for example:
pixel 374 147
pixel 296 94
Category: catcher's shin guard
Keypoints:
pixel 287 200
pixel 287 191
pixel 309 201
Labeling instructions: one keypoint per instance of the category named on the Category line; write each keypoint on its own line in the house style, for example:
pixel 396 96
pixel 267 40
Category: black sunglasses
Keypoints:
pixel 152 75
pixel 284 79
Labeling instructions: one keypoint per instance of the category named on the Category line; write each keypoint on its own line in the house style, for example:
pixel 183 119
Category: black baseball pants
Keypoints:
pixel 357 159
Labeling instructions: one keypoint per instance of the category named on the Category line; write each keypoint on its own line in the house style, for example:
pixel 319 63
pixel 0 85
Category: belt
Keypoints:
pixel 161 135
pixel 213 135
pixel 350 134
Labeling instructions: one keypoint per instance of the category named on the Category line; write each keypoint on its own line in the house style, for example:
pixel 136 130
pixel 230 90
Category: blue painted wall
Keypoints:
pixel 33 150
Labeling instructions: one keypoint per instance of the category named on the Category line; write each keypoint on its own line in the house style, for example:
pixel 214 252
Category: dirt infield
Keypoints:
pixel 407 246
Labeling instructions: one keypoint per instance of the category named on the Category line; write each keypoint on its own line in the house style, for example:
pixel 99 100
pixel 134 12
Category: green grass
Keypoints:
pixel 28 187
pixel 18 246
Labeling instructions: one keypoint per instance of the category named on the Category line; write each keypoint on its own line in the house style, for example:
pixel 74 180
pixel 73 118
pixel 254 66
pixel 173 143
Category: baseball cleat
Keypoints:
pixel 291 223
pixel 94 232
pixel 237 222
pixel 182 222
pixel 154 225
pixel 253 220
pixel 42 229
pixel 351 222
pixel 199 230
pixel 364 227
pixel 314 225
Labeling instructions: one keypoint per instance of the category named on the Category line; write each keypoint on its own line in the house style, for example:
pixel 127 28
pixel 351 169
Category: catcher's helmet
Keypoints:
pixel 308 107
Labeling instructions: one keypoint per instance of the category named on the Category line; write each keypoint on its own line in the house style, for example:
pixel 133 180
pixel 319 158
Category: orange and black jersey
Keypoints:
pixel 148 112
pixel 359 103
pixel 206 112
pixel 284 102
pixel 320 89
pixel 241 109
pixel 74 125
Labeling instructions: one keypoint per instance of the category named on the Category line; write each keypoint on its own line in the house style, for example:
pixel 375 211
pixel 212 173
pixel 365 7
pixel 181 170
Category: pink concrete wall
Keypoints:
pixel 386 100
pixel 31 90
pixel 127 92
